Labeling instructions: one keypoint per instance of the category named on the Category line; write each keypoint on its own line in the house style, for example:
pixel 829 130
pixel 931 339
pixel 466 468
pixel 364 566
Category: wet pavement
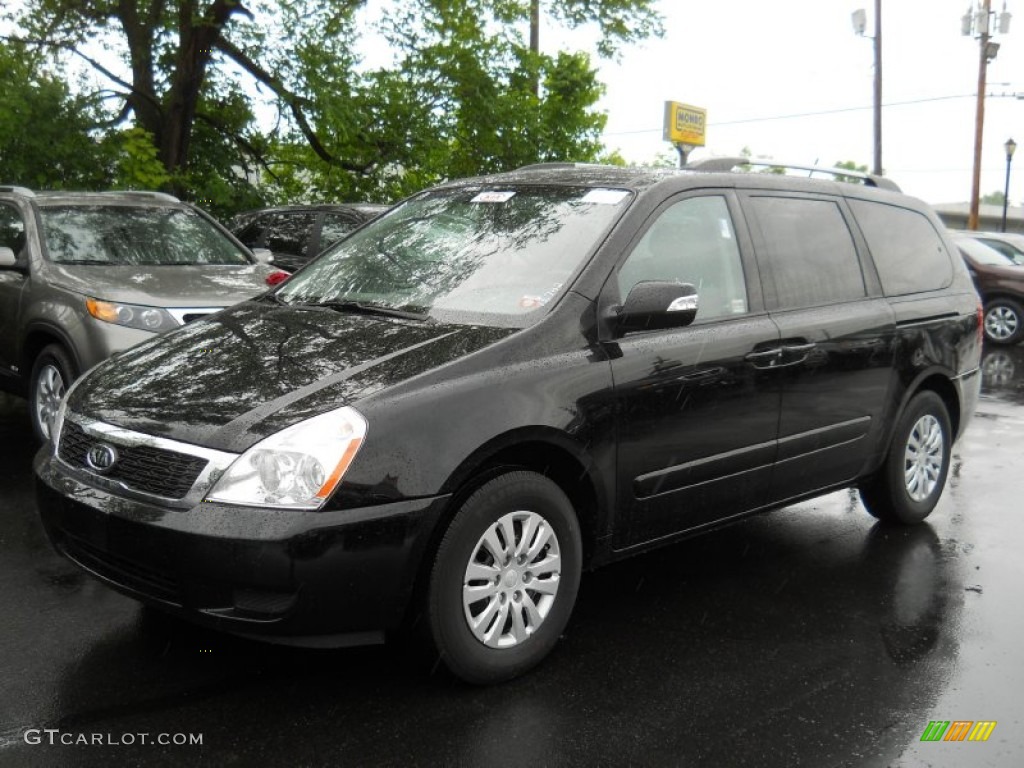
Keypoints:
pixel 807 637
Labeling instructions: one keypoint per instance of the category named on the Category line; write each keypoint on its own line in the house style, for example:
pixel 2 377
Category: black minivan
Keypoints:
pixel 503 381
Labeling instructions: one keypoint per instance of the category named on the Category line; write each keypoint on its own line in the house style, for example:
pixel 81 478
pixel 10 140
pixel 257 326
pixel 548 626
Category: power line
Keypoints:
pixel 816 114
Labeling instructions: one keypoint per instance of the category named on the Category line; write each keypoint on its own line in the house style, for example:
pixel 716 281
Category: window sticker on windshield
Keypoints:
pixel 493 197
pixel 532 302
pixel 605 196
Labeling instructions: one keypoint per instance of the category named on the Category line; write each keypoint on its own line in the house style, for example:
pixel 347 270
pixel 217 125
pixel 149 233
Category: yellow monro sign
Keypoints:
pixel 685 124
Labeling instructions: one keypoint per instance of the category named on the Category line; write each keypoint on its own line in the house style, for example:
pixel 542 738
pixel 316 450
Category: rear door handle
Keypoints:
pixel 797 349
pixel 766 358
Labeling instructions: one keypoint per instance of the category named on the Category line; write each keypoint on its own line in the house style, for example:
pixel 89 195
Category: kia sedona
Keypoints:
pixel 444 420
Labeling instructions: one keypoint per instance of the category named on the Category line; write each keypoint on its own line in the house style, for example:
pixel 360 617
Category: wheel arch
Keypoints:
pixel 546 451
pixel 40 336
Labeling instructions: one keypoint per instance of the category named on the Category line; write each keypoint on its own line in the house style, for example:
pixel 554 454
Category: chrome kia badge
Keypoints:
pixel 101 457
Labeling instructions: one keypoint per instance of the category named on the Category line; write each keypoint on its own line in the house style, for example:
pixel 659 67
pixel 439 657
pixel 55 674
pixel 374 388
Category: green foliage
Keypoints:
pixel 993 198
pixel 850 165
pixel 49 137
pixel 463 95
pixel 138 163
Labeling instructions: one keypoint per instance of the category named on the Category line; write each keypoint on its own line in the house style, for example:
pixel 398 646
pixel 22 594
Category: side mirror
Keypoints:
pixel 7 257
pixel 651 305
pixel 263 255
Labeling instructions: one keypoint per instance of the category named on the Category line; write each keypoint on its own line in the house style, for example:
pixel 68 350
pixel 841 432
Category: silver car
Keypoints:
pixel 86 274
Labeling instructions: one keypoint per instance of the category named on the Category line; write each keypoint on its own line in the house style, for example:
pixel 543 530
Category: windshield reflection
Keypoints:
pixel 137 236
pixel 465 255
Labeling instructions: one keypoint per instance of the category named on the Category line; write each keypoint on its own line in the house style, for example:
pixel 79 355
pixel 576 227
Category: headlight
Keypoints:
pixel 297 467
pixel 152 319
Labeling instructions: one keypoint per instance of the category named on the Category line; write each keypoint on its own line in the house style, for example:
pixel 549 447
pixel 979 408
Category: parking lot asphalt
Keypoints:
pixel 808 636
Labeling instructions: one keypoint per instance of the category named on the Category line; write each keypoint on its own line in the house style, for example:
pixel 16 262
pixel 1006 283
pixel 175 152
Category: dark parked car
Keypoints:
pixel 504 381
pixel 295 234
pixel 1000 281
pixel 86 274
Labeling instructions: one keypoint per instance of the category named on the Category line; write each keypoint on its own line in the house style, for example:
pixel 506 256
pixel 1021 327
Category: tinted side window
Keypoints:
pixel 12 229
pixel 337 225
pixel 289 232
pixel 906 249
pixel 692 241
pixel 808 254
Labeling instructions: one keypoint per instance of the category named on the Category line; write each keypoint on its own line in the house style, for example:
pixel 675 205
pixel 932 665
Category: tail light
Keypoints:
pixel 981 323
pixel 276 278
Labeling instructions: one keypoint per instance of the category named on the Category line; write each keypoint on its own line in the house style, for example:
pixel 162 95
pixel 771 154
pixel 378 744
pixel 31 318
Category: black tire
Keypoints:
pixel 1004 321
pixel 890 494
pixel 519 498
pixel 52 374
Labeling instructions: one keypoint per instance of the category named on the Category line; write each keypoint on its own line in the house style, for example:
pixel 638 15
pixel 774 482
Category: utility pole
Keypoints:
pixel 979 114
pixel 878 88
pixel 980 23
pixel 860 21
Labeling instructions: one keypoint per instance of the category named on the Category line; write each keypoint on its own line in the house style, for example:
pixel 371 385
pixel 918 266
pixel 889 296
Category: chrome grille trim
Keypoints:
pixel 180 313
pixel 217 462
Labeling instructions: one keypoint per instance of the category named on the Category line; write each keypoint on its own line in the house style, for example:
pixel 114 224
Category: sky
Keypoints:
pixel 745 61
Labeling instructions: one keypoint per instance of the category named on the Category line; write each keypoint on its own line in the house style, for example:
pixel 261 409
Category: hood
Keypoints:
pixel 193 285
pixel 213 380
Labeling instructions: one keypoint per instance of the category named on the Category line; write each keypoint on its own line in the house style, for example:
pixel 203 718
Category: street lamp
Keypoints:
pixel 1010 146
pixel 982 22
pixel 859 26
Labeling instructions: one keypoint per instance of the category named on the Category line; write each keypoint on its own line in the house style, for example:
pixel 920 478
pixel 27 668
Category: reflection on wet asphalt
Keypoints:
pixel 810 636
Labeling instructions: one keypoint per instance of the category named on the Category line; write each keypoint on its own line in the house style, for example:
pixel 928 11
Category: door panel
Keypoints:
pixel 837 336
pixel 834 392
pixel 696 415
pixel 697 424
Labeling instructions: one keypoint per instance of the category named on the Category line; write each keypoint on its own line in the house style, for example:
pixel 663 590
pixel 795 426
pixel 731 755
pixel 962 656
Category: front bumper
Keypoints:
pixel 311 578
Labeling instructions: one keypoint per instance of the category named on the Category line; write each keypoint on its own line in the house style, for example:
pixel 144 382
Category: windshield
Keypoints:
pixel 486 256
pixel 980 253
pixel 1011 251
pixel 125 235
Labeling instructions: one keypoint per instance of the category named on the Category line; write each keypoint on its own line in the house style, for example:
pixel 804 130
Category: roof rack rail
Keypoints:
pixel 142 193
pixel 559 165
pixel 725 164
pixel 23 191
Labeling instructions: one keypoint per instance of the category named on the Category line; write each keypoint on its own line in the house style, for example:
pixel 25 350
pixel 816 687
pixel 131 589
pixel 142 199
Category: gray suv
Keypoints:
pixel 86 274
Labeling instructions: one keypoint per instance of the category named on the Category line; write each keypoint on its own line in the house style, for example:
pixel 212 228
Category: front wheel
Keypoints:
pixel 907 486
pixel 505 578
pixel 1004 321
pixel 52 373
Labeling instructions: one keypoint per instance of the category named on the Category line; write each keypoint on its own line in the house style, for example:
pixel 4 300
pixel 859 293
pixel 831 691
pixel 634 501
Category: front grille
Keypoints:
pixel 188 317
pixel 140 467
pixel 122 571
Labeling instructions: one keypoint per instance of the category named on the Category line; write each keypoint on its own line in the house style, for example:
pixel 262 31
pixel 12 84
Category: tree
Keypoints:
pixel 458 100
pixel 49 137
pixel 994 198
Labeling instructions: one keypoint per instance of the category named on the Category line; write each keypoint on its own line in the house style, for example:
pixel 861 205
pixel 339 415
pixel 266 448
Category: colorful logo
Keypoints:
pixel 958 730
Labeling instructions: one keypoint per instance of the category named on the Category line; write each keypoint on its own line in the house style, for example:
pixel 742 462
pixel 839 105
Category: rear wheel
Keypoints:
pixel 52 373
pixel 909 483
pixel 505 578
pixel 1004 321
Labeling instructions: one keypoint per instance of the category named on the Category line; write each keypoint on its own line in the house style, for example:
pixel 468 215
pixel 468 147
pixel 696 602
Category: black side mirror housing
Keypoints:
pixel 652 305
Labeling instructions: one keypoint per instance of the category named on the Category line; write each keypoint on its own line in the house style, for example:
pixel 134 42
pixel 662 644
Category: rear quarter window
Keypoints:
pixel 908 252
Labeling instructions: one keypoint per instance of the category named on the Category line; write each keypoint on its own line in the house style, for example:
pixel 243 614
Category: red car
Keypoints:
pixel 1000 281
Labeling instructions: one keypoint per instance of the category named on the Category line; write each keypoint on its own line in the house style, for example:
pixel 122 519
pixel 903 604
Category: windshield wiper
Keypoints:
pixel 358 307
